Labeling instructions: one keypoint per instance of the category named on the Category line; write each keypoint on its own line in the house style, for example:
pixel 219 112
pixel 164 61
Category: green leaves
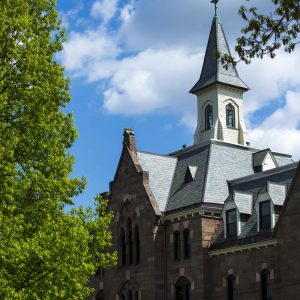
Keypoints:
pixel 45 253
pixel 265 34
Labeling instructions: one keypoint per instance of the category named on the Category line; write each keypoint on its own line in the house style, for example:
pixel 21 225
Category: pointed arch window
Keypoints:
pixel 123 247
pixel 137 244
pixel 231 288
pixel 100 295
pixel 183 289
pixel 129 295
pixel 266 291
pixel 177 245
pixel 208 117
pixel 230 116
pixel 130 241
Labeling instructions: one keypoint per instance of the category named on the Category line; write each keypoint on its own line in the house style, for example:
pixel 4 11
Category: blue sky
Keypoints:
pixel 132 63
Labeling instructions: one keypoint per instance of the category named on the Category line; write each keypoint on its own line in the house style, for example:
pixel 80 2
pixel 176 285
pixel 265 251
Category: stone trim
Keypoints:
pixel 242 248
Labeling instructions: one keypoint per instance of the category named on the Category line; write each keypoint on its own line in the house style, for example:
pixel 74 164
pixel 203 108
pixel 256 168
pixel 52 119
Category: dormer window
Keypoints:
pixel 230 116
pixel 208 117
pixel 265 215
pixel 231 223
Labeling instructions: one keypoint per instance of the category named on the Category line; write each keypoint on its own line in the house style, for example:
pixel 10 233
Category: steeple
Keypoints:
pixel 219 94
pixel 213 71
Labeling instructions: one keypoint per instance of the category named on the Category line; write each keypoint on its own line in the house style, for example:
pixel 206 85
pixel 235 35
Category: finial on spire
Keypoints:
pixel 215 2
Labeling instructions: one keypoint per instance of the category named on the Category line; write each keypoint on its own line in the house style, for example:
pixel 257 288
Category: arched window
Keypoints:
pixel 208 117
pixel 230 116
pixel 266 290
pixel 187 243
pixel 100 295
pixel 129 295
pixel 137 244
pixel 177 245
pixel 136 295
pixel 123 247
pixel 130 241
pixel 231 288
pixel 183 289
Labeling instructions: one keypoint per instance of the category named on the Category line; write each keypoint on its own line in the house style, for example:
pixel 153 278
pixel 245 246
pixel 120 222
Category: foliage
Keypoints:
pixel 264 34
pixel 45 253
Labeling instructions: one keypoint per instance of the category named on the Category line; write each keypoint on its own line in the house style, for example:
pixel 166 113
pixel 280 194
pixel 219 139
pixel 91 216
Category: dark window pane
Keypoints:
pixel 231 224
pixel 183 289
pixel 265 215
pixel 187 244
pixel 231 288
pixel 266 290
pixel 208 117
pixel 123 248
pixel 177 245
pixel 136 296
pixel 137 245
pixel 129 295
pixel 230 116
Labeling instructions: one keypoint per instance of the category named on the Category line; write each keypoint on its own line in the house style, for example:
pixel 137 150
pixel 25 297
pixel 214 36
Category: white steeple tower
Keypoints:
pixel 219 94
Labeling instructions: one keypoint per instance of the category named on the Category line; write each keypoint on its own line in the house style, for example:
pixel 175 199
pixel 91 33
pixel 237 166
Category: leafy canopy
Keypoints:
pixel 45 253
pixel 266 33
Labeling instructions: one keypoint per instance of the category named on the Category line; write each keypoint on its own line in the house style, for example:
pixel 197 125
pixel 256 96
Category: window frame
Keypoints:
pixel 209 117
pixel 177 245
pixel 266 285
pixel 228 232
pixel 230 108
pixel 187 244
pixel 262 224
pixel 231 288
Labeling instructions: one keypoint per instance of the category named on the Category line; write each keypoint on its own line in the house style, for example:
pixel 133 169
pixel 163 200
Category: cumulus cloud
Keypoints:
pixel 84 51
pixel 104 9
pixel 280 131
pixel 158 79
pixel 160 59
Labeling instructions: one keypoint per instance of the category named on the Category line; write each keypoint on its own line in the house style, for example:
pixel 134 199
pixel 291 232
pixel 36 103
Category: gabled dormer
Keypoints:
pixel 237 210
pixel 268 205
pixel 263 160
pixel 219 92
pixel 190 173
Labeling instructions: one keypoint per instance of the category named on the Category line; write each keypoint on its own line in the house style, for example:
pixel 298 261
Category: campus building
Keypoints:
pixel 216 220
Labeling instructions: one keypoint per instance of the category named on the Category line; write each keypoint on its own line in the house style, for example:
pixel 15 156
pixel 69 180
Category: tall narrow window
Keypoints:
pixel 136 295
pixel 177 245
pixel 137 244
pixel 123 297
pixel 130 241
pixel 231 224
pixel 187 243
pixel 266 291
pixel 123 247
pixel 183 289
pixel 231 288
pixel 230 116
pixel 208 117
pixel 129 295
pixel 265 215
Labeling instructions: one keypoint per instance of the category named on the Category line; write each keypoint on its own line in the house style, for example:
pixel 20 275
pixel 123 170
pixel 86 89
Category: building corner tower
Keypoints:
pixel 219 94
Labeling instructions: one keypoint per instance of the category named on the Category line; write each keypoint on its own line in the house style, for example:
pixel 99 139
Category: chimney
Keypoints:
pixel 129 139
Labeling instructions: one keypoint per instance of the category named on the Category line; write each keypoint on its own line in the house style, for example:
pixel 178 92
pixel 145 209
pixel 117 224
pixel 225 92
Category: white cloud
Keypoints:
pixel 84 51
pixel 153 80
pixel 270 78
pixel 105 9
pixel 280 131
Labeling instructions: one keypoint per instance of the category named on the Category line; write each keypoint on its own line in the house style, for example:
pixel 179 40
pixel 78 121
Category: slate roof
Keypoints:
pixel 275 182
pixel 277 192
pixel 243 202
pixel 217 168
pixel 161 171
pixel 213 71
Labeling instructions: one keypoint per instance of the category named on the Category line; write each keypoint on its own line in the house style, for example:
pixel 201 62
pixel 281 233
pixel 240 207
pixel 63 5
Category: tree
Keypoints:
pixel 45 252
pixel 264 34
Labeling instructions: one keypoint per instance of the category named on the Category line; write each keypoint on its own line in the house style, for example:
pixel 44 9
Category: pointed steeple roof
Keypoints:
pixel 213 71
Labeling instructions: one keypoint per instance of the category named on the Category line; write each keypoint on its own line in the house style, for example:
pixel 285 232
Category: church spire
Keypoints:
pixel 213 71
